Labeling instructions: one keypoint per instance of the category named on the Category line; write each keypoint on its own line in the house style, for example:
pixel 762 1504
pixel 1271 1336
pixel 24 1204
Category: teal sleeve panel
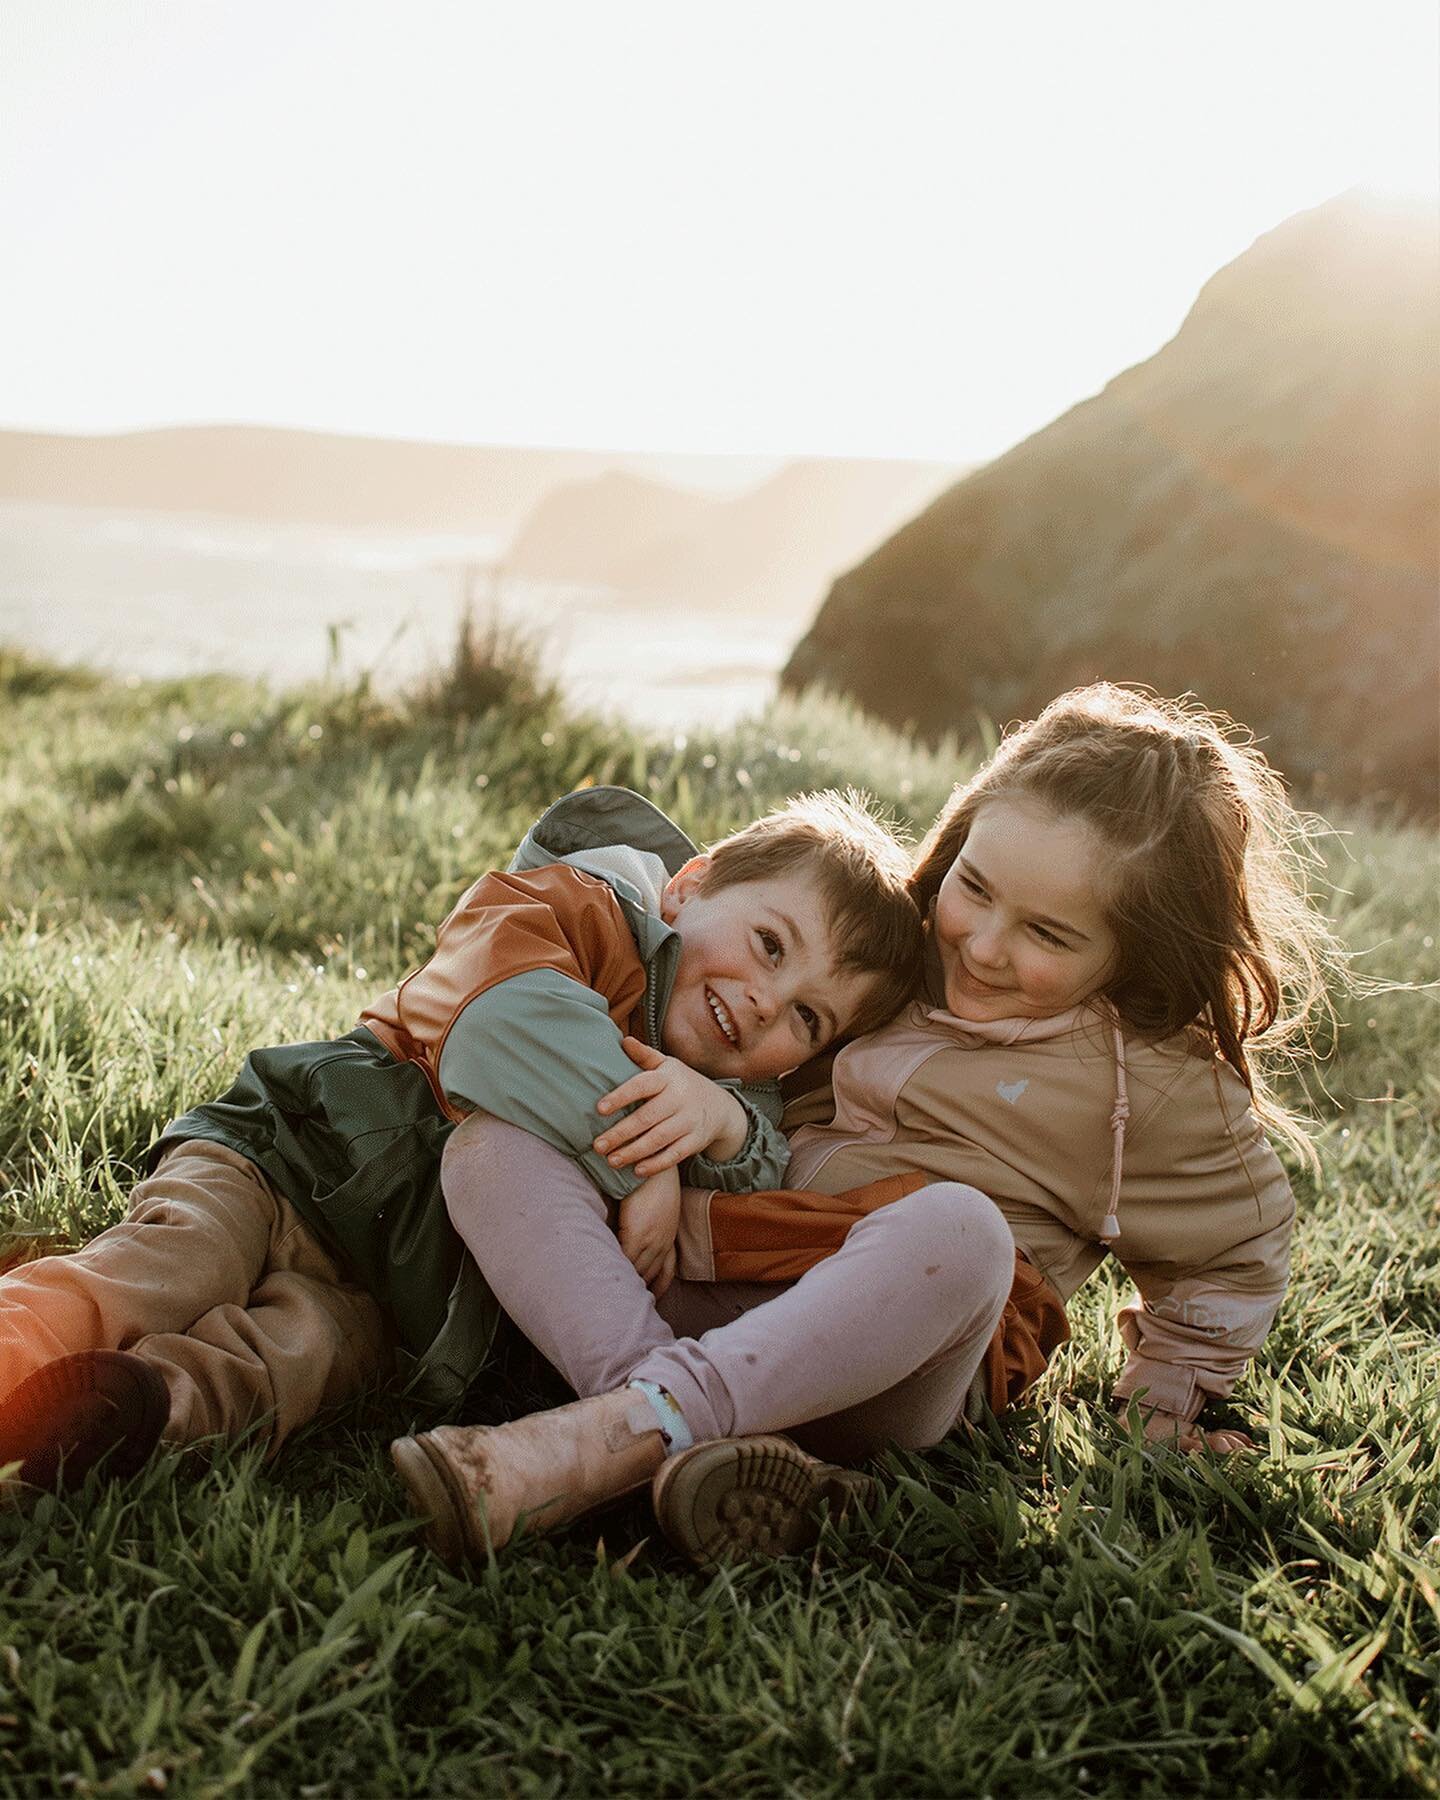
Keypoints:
pixel 538 1051
pixel 763 1157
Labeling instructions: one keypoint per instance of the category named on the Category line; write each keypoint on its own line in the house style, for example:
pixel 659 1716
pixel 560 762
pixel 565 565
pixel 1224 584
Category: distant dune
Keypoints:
pixel 773 548
pixel 700 534
pixel 288 477
pixel 579 529
pixel 310 477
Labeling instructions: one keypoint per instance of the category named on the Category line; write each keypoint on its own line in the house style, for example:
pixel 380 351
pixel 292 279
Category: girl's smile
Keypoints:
pixel 1019 922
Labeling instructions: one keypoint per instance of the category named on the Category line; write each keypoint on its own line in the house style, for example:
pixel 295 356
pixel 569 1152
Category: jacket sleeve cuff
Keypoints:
pixel 761 1161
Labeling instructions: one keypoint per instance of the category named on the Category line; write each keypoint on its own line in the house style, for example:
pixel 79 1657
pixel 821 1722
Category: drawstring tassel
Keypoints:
pixel 1110 1228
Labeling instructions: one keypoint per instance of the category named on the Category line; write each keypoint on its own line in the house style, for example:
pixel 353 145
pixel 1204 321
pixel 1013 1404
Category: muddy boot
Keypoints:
pixel 476 1483
pixel 79 1410
pixel 735 1499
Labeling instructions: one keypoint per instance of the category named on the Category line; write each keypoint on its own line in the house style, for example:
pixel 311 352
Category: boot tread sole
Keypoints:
pixel 746 1497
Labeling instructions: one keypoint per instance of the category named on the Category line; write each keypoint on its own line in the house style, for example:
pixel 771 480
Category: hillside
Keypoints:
pixel 1252 514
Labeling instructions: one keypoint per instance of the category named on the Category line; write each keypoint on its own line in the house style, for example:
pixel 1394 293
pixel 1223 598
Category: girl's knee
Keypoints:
pixel 962 1236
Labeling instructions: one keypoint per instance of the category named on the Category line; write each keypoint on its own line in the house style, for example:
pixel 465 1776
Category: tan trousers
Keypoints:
pixel 215 1280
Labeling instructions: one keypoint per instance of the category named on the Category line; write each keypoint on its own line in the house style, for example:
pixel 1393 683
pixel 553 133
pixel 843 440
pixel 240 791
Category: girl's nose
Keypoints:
pixel 987 947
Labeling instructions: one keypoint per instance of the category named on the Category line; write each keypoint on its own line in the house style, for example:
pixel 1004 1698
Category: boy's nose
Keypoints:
pixel 762 1002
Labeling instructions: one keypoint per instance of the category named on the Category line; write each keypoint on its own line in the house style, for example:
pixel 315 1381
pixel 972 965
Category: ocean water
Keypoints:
pixel 156 594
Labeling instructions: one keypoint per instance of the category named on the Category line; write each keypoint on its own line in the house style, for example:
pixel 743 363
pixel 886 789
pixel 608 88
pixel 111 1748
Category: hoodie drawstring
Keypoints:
pixel 1110 1230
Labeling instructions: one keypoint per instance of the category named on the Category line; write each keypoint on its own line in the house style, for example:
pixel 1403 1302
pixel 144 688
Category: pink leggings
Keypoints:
pixel 877 1344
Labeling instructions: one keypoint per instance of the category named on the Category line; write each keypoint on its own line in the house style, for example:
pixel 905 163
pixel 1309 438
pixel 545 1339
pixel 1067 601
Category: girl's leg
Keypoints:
pixel 903 1310
pixel 880 1341
pixel 877 1344
pixel 538 1229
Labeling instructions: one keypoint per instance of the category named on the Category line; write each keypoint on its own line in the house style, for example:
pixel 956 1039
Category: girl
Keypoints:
pixel 1121 947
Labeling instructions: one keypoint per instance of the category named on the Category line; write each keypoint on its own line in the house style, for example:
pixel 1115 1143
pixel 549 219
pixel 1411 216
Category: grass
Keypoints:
pixel 193 867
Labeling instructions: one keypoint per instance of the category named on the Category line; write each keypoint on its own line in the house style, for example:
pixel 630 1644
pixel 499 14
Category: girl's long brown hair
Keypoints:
pixel 1210 901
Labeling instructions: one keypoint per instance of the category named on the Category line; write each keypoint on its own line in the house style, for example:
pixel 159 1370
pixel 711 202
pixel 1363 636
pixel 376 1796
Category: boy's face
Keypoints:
pixel 756 992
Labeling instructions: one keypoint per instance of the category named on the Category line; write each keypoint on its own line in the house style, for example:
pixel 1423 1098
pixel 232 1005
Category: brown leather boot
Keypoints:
pixel 741 1498
pixel 475 1483
pixel 93 1408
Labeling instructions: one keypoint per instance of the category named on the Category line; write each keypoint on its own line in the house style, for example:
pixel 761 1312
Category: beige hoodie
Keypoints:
pixel 1042 1115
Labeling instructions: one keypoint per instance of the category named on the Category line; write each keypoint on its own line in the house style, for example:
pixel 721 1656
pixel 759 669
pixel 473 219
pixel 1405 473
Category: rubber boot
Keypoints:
pixel 476 1484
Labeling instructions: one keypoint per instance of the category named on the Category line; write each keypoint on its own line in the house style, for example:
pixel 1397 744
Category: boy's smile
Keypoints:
pixel 756 991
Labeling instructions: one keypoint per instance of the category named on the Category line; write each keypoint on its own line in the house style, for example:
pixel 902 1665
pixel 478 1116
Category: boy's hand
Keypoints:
pixel 1162 1427
pixel 649 1219
pixel 684 1113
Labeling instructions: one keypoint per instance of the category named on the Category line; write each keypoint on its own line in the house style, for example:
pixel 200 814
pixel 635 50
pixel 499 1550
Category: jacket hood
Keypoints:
pixel 625 840
pixel 598 817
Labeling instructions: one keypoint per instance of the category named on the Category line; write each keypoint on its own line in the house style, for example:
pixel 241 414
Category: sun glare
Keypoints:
pixel 1404 164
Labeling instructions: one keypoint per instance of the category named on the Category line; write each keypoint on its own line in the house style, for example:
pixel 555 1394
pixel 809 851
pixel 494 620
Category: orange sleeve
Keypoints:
pixel 507 924
pixel 777 1236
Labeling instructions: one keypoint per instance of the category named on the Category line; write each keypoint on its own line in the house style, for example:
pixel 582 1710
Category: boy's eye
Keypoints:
pixel 811 1021
pixel 1049 937
pixel 771 943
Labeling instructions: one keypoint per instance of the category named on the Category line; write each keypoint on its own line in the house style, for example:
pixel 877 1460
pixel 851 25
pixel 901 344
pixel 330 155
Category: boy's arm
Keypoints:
pixel 761 1161
pixel 539 1051
pixel 519 1009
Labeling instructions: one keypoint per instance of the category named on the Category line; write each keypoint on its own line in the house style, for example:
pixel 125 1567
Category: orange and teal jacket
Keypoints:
pixel 536 976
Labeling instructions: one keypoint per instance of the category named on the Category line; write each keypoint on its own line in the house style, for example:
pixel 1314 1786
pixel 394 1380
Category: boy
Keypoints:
pixel 293 1233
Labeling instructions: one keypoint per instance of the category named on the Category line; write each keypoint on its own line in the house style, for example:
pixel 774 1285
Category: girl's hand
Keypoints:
pixel 1162 1427
pixel 683 1114
pixel 649 1219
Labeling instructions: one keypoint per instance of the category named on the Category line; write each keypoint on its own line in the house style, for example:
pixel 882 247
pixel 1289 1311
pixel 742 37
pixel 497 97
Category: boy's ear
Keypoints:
pixel 682 886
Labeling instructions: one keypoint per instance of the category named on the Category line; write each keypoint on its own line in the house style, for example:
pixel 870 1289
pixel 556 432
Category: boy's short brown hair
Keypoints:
pixel 862 871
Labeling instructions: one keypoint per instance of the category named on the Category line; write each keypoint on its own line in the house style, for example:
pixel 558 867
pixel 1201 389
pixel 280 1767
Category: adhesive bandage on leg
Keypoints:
pixel 673 1429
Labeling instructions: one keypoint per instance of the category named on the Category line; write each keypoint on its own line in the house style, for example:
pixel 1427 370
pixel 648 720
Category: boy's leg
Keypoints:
pixel 198 1233
pixel 302 1343
pixel 215 1281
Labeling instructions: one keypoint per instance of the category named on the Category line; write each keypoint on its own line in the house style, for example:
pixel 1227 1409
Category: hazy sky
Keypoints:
pixel 894 228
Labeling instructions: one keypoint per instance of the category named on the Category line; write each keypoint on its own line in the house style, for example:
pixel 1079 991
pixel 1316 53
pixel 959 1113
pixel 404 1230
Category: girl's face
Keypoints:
pixel 1020 918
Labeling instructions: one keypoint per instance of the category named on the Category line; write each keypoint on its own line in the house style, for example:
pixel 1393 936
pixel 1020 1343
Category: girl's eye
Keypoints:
pixel 771 943
pixel 811 1021
pixel 972 887
pixel 1049 937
